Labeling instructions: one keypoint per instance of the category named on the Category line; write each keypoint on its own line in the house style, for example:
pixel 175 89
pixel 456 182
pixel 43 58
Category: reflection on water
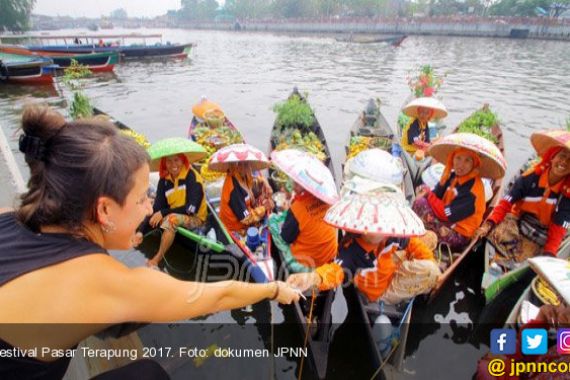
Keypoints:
pixel 525 82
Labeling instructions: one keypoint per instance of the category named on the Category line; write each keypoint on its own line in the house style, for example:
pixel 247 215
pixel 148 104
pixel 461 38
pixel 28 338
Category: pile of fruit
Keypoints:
pixel 309 142
pixel 209 175
pixel 138 137
pixel 480 124
pixel 214 139
pixel 360 143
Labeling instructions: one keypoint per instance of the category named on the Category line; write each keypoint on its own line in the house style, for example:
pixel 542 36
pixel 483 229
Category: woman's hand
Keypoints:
pixel 483 230
pixel 422 191
pixel 554 315
pixel 304 281
pixel 286 294
pixel 155 219
pixel 444 231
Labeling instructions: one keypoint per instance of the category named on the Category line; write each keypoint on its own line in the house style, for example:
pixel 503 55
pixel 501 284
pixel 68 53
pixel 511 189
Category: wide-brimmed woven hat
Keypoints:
pixel 233 154
pixel 542 141
pixel 175 145
pixel 386 213
pixel 493 164
pixel 308 171
pixel 411 109
pixel 377 165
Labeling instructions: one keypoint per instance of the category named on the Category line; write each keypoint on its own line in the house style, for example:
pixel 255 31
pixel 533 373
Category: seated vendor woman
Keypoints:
pixel 416 133
pixel 245 200
pixel 455 207
pixel 370 260
pixel 312 241
pixel 180 201
pixel 542 195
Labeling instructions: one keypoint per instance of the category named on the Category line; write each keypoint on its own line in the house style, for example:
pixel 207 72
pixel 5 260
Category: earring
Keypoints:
pixel 108 227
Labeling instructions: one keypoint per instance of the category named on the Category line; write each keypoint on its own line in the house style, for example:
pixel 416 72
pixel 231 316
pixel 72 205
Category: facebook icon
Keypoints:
pixel 503 341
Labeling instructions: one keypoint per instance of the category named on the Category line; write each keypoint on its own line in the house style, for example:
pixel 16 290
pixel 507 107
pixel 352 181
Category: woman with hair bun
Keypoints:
pixel 86 195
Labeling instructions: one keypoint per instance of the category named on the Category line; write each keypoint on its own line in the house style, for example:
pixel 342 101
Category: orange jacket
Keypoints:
pixel 313 242
pixel 374 280
pixel 461 201
pixel 235 204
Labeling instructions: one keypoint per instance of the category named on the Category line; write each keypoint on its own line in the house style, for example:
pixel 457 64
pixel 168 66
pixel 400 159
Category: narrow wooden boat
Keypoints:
pixel 212 238
pixel 367 39
pixel 500 276
pixel 96 62
pixel 126 52
pixel 24 69
pixel 455 259
pixel 316 331
pixel 372 130
pixel 260 265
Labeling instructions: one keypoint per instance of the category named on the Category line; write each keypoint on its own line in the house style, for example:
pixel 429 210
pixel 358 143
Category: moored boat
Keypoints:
pixel 313 315
pixel 501 270
pixel 126 52
pixel 96 62
pixel 372 130
pixel 25 69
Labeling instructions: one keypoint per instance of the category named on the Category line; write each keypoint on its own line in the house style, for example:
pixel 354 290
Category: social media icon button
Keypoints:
pixel 503 341
pixel 534 342
pixel 563 341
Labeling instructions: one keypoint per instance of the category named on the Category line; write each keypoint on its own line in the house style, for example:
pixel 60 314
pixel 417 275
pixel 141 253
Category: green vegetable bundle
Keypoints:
pixel 480 124
pixel 81 107
pixel 294 112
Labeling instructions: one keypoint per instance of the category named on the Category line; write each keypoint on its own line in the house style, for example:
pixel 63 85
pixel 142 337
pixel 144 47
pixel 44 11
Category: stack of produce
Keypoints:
pixel 361 143
pixel 480 124
pixel 309 142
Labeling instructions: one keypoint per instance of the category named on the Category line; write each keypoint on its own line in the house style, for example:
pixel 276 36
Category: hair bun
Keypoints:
pixel 41 121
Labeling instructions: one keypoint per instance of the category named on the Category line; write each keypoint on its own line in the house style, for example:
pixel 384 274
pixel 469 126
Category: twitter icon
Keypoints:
pixel 534 342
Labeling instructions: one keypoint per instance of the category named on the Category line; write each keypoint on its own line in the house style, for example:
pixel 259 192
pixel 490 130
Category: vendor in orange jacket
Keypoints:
pixel 454 209
pixel 245 199
pixel 312 241
pixel 367 260
pixel 543 191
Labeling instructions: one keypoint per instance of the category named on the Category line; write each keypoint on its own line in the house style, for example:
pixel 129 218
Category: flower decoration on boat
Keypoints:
pixel 426 82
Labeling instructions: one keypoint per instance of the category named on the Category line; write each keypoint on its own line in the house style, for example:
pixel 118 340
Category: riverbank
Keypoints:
pixel 464 26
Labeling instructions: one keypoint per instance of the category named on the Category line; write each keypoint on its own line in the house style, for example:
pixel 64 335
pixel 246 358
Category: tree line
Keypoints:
pixel 277 9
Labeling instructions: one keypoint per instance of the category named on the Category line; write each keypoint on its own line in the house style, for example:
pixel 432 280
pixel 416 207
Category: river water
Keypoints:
pixel 526 83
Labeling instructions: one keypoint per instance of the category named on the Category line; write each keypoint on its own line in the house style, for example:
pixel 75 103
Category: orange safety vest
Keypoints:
pixel 542 207
pixel 317 242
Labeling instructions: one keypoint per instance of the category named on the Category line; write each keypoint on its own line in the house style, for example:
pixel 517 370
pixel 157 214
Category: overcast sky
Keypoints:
pixel 97 8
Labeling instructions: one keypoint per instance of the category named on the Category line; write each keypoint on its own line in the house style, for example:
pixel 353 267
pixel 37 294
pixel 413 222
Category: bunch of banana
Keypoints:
pixel 357 144
pixel 310 143
pixel 546 294
pixel 139 138
pixel 209 175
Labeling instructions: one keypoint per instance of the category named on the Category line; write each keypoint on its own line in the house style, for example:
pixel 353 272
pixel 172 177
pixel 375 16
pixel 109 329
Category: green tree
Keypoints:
pixel 15 14
pixel 119 14
pixel 249 9
pixel 519 7
pixel 199 9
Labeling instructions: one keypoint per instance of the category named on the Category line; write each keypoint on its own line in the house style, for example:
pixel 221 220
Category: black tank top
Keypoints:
pixel 23 251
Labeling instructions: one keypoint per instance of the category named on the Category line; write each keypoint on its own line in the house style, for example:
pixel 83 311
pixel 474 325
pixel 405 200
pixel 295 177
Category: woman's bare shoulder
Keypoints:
pixel 4 210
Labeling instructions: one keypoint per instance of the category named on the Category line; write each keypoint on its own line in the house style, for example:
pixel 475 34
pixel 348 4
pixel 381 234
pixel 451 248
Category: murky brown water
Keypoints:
pixel 525 82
